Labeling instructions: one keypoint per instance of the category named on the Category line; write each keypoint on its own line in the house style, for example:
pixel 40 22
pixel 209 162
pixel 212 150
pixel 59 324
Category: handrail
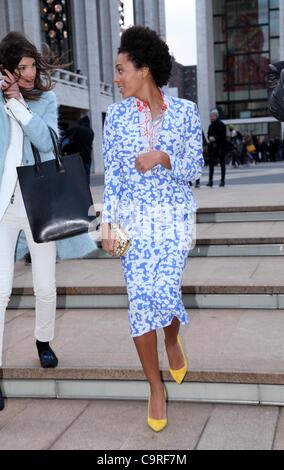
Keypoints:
pixel 66 77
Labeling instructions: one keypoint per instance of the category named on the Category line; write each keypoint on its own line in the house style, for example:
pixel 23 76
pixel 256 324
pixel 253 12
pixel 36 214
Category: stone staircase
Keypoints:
pixel 233 286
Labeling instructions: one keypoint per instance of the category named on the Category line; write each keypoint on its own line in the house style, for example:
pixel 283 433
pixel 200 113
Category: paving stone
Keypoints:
pixel 240 428
pixel 279 434
pixel 40 424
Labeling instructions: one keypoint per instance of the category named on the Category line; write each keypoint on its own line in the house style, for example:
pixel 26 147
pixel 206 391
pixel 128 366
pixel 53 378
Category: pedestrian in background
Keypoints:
pixel 236 139
pixel 79 139
pixel 217 149
pixel 152 149
pixel 251 153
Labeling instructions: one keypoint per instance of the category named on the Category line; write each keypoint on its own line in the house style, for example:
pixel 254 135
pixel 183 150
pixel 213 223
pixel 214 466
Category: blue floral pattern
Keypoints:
pixel 155 208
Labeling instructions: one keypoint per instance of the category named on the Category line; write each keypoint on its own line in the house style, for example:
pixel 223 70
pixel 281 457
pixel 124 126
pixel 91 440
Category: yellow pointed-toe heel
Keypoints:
pixel 156 425
pixel 179 374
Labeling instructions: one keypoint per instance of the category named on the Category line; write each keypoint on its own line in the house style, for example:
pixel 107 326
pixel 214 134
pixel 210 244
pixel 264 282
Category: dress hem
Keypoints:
pixel 158 327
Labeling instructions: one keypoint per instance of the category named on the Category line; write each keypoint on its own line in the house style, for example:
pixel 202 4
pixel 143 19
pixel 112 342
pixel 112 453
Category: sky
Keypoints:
pixel 181 28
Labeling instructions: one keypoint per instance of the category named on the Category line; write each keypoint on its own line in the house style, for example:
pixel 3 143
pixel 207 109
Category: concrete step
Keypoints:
pixel 231 239
pixel 239 239
pixel 219 250
pixel 234 356
pixel 256 214
pixel 255 282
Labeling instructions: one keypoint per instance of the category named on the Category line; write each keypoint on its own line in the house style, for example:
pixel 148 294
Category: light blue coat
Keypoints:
pixel 36 131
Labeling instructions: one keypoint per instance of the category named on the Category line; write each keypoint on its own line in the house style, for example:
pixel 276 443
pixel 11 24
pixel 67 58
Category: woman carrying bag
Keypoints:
pixel 28 109
pixel 152 150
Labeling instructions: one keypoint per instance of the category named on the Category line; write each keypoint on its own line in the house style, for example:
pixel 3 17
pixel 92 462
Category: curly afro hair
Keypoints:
pixel 146 49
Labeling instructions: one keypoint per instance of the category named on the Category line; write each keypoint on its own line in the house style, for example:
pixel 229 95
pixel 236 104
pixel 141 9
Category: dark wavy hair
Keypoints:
pixel 146 49
pixel 13 48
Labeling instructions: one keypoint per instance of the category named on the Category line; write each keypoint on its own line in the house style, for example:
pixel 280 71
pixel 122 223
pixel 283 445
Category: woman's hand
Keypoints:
pixel 147 161
pixel 10 86
pixel 107 238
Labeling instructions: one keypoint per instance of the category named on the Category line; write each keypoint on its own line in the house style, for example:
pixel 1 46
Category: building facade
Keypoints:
pixel 151 13
pixel 184 79
pixel 86 34
pixel 236 40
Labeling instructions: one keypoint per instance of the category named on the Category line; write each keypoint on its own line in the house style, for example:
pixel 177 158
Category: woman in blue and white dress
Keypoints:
pixel 152 150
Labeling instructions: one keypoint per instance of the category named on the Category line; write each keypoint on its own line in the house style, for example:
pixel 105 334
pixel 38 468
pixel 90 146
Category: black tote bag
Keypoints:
pixel 56 195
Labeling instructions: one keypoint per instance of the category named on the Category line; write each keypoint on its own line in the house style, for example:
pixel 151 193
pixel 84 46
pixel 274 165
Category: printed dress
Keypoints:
pixel 155 208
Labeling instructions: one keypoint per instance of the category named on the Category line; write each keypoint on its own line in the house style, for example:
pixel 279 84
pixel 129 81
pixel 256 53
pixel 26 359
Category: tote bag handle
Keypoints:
pixel 58 158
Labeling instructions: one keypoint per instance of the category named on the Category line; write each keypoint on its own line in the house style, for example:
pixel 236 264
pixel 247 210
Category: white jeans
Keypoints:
pixel 43 268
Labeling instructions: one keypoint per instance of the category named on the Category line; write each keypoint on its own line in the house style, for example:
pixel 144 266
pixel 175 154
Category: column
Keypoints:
pixel 15 15
pixel 139 12
pixel 79 36
pixel 4 26
pixel 162 20
pixel 105 39
pixel 92 46
pixel 115 40
pixel 31 21
pixel 205 60
pixel 151 14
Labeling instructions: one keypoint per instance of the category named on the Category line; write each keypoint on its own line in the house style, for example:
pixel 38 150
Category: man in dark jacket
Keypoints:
pixel 217 146
pixel 79 139
pixel 275 78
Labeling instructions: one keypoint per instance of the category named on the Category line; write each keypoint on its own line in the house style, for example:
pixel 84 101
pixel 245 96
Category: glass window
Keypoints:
pixel 219 29
pixel 220 56
pixel 274 4
pixel 258 129
pixel 219 7
pixel 249 108
pixel 237 72
pixel 221 86
pixel 262 11
pixel 275 130
pixel 258 108
pixel 258 94
pixel 274 23
pixel 274 50
pixel 245 114
pixel 248 39
pixel 257 64
pixel 239 95
pixel 245 69
pixel 244 13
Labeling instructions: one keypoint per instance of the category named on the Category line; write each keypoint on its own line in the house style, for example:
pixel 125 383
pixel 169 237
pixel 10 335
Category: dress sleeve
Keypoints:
pixel 188 167
pixel 35 126
pixel 112 170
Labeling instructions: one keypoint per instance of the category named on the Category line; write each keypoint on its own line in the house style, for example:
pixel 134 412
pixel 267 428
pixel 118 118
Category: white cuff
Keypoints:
pixel 20 111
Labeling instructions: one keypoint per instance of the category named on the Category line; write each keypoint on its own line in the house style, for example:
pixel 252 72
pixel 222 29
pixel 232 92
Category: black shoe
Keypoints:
pixel 47 358
pixel 2 404
pixel 210 184
pixel 222 184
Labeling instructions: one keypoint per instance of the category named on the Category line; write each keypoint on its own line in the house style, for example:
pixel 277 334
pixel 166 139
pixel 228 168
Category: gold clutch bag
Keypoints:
pixel 121 240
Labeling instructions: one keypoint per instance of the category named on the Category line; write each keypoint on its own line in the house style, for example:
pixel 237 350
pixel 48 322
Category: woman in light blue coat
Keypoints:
pixel 27 108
